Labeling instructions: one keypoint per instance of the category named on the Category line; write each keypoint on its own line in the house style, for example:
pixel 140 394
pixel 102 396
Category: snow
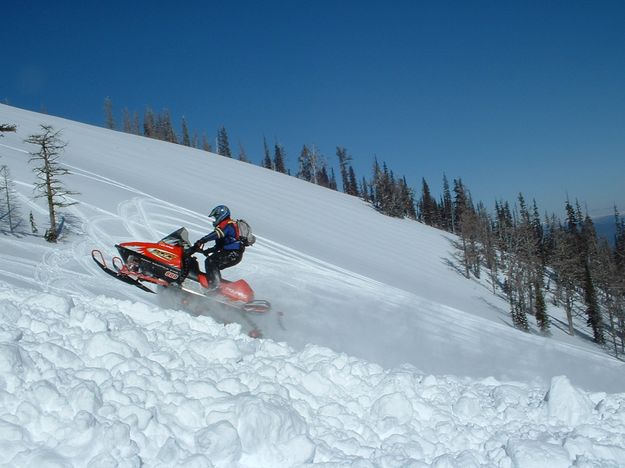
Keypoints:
pixel 372 356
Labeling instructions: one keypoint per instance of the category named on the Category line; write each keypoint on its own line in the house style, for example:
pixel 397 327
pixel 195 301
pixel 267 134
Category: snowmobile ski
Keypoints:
pixel 115 273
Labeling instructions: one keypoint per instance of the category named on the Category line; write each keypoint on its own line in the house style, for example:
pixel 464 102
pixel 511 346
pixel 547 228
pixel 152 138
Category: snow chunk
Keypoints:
pixel 535 454
pixel 272 433
pixel 85 396
pixel 220 443
pixel 41 457
pixel 216 350
pixel 103 343
pixel 394 405
pixel 467 407
pixel 11 359
pixel 566 403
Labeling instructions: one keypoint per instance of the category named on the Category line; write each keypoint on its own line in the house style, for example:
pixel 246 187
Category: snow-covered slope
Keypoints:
pixel 97 358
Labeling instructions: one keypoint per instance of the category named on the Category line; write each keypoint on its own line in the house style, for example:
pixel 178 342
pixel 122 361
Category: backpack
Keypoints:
pixel 245 233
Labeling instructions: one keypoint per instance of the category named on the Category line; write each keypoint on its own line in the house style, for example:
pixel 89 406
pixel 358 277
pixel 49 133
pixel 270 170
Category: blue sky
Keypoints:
pixel 510 96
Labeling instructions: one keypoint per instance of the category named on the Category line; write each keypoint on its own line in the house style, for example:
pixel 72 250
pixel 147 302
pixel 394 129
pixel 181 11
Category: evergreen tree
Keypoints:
pixel 305 170
pixel 447 216
pixel 279 157
pixel 164 129
pixel 364 190
pixel 186 140
pixel 223 146
pixel 108 114
pixel 149 124
pixel 542 319
pixel 353 185
pixel 127 125
pixel 429 213
pixel 206 146
pixel 242 154
pixel 594 319
pixel 332 182
pixel 135 123
pixel 322 175
pixel 344 160
pixel 49 186
pixel 267 162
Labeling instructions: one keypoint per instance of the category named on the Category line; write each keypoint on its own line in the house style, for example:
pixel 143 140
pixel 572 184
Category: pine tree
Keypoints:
pixel 164 128
pixel 344 159
pixel 542 319
pixel 127 125
pixel 594 319
pixel 135 123
pixel 447 216
pixel 322 176
pixel 364 190
pixel 186 140
pixel 242 154
pixel 332 182
pixel 149 124
pixel 305 169
pixel 429 213
pixel 267 163
pixel 49 186
pixel 279 157
pixel 353 185
pixel 108 114
pixel 206 146
pixel 223 146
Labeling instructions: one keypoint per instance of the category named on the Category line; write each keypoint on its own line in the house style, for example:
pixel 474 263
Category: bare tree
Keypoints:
pixel 9 209
pixel 48 185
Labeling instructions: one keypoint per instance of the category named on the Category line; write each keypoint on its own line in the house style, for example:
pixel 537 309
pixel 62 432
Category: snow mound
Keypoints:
pixel 105 382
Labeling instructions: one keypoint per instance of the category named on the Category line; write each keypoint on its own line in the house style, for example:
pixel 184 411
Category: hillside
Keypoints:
pixel 437 348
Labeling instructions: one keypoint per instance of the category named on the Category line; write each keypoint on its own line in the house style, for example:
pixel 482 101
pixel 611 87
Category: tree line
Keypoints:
pixel 526 256
pixel 387 193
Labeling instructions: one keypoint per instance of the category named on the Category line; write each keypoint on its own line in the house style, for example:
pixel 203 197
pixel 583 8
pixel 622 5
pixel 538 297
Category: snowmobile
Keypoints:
pixel 167 263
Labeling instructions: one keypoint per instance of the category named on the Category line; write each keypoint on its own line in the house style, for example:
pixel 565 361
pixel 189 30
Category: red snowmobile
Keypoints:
pixel 165 264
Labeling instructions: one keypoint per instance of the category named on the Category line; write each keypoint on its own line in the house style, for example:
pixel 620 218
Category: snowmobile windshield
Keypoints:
pixel 179 237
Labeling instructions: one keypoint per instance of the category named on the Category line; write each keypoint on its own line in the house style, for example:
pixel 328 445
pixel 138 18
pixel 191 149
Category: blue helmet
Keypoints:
pixel 219 213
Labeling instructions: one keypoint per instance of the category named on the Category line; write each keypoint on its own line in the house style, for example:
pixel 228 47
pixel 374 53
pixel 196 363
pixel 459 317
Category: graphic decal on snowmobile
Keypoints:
pixel 168 256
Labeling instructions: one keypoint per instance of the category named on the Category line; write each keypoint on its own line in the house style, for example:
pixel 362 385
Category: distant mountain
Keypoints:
pixel 606 227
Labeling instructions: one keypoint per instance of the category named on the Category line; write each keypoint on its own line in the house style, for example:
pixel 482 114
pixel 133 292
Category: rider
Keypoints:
pixel 228 249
